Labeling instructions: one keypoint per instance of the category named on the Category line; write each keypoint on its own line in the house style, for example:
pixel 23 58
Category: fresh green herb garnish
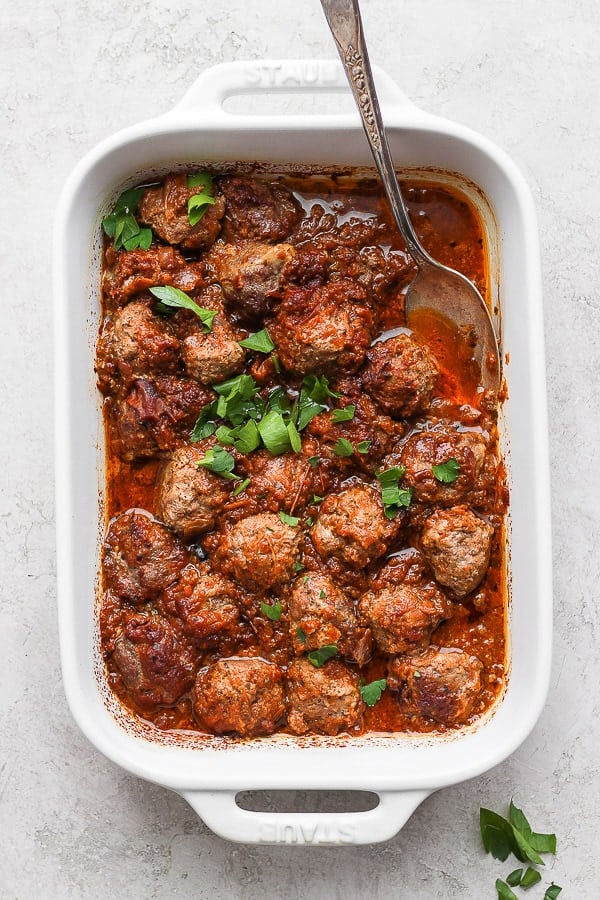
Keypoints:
pixel 122 226
pixel 276 365
pixel 313 461
pixel 502 836
pixel 317 388
pixel 343 448
pixel 552 892
pixel 322 594
pixel 298 566
pixel 319 657
pixel 504 892
pixel 343 415
pixel 219 461
pixel 274 433
pixel 317 499
pixel 300 634
pixel 241 487
pixel 292 521
pixel 447 472
pixel 372 692
pixel 309 521
pixel 363 446
pixel 199 203
pixel 531 877
pixel 393 496
pixel 172 296
pixel 272 612
pixel 514 879
pixel 261 342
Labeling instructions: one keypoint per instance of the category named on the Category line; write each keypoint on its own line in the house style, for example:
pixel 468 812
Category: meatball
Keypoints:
pixel 129 272
pixel 401 375
pixel 205 603
pixel 321 614
pixel 141 556
pixel 257 210
pixel 403 616
pixel 428 448
pixel 352 527
pixel 457 545
pixel 189 497
pixel 325 700
pixel 135 342
pixel 325 329
pixel 278 482
pixel 154 415
pixel 251 274
pixel 165 210
pixel 442 683
pixel 240 696
pixel 260 551
pixel 156 666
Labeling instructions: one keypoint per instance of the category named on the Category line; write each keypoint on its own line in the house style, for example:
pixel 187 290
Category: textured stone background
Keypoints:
pixel 526 74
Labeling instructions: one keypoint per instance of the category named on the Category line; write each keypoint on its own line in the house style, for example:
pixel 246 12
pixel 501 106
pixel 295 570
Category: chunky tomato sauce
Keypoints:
pixel 163 659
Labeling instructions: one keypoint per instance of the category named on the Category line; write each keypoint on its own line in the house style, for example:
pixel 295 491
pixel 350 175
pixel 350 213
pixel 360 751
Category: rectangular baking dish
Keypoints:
pixel 401 769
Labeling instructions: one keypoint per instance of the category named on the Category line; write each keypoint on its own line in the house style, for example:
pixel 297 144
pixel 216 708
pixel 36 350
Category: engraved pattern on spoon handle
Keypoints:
pixel 343 18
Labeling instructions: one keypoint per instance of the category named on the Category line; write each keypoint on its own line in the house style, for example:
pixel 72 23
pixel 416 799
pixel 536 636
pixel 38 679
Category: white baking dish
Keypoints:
pixel 209 771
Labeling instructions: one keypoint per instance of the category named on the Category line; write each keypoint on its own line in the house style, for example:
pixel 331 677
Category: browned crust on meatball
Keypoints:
pixel 403 617
pixel 325 700
pixel 165 209
pixel 190 498
pixel 204 602
pixel 240 696
pixel 257 210
pixel 251 274
pixel 129 272
pixel 259 551
pixel 457 545
pixel 425 449
pixel 401 375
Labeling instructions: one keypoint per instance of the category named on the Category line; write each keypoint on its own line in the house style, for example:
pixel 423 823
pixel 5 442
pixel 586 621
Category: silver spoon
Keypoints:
pixel 436 288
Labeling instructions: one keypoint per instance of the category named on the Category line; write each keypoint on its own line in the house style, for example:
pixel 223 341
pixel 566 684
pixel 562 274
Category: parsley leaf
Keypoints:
pixel 363 446
pixel 393 497
pixel 372 692
pixel 272 612
pixel 122 226
pixel 274 433
pixel 198 203
pixel 301 635
pixel 319 657
pixel 343 448
pixel 502 836
pixel 313 461
pixel 172 296
pixel 292 521
pixel 514 879
pixel 447 472
pixel 504 892
pixel 552 892
pixel 241 487
pixel 343 415
pixel 317 388
pixel 531 877
pixel 260 341
pixel 219 461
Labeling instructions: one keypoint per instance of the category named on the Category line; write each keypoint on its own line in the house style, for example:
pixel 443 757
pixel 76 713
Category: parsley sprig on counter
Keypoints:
pixel 501 837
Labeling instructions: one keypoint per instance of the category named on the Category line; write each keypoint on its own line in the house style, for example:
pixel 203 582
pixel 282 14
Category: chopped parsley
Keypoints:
pixel 172 297
pixel 372 692
pixel 260 341
pixel 241 487
pixel 447 472
pixel 343 415
pixel 393 497
pixel 319 657
pixel 292 521
pixel 122 226
pixel 363 446
pixel 199 203
pixel 300 634
pixel 343 448
pixel 272 611
pixel 219 461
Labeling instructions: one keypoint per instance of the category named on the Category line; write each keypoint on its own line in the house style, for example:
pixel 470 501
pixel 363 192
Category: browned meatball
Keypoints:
pixel 205 603
pixel 156 666
pixel 325 700
pixel 251 274
pixel 165 210
pixel 154 416
pixel 257 210
pixel 278 482
pixel 135 342
pixel 352 527
pixel 129 272
pixel 457 545
pixel 320 614
pixel 442 683
pixel 403 616
pixel 259 551
pixel 401 375
pixel 325 329
pixel 428 448
pixel 141 556
pixel 211 357
pixel 189 497
pixel 240 696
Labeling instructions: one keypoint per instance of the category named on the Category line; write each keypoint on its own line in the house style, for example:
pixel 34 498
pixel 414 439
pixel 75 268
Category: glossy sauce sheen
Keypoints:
pixel 451 232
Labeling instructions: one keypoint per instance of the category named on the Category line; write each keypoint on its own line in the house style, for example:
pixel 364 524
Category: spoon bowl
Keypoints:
pixel 436 290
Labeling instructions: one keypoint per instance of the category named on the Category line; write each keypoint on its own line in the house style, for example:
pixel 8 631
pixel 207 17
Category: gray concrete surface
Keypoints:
pixel 527 74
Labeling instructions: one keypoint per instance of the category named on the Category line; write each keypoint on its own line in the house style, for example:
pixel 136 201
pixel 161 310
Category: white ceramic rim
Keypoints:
pixel 402 770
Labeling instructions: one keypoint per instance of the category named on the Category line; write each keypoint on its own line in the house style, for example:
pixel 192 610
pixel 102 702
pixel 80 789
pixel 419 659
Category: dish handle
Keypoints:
pixel 297 76
pixel 220 811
